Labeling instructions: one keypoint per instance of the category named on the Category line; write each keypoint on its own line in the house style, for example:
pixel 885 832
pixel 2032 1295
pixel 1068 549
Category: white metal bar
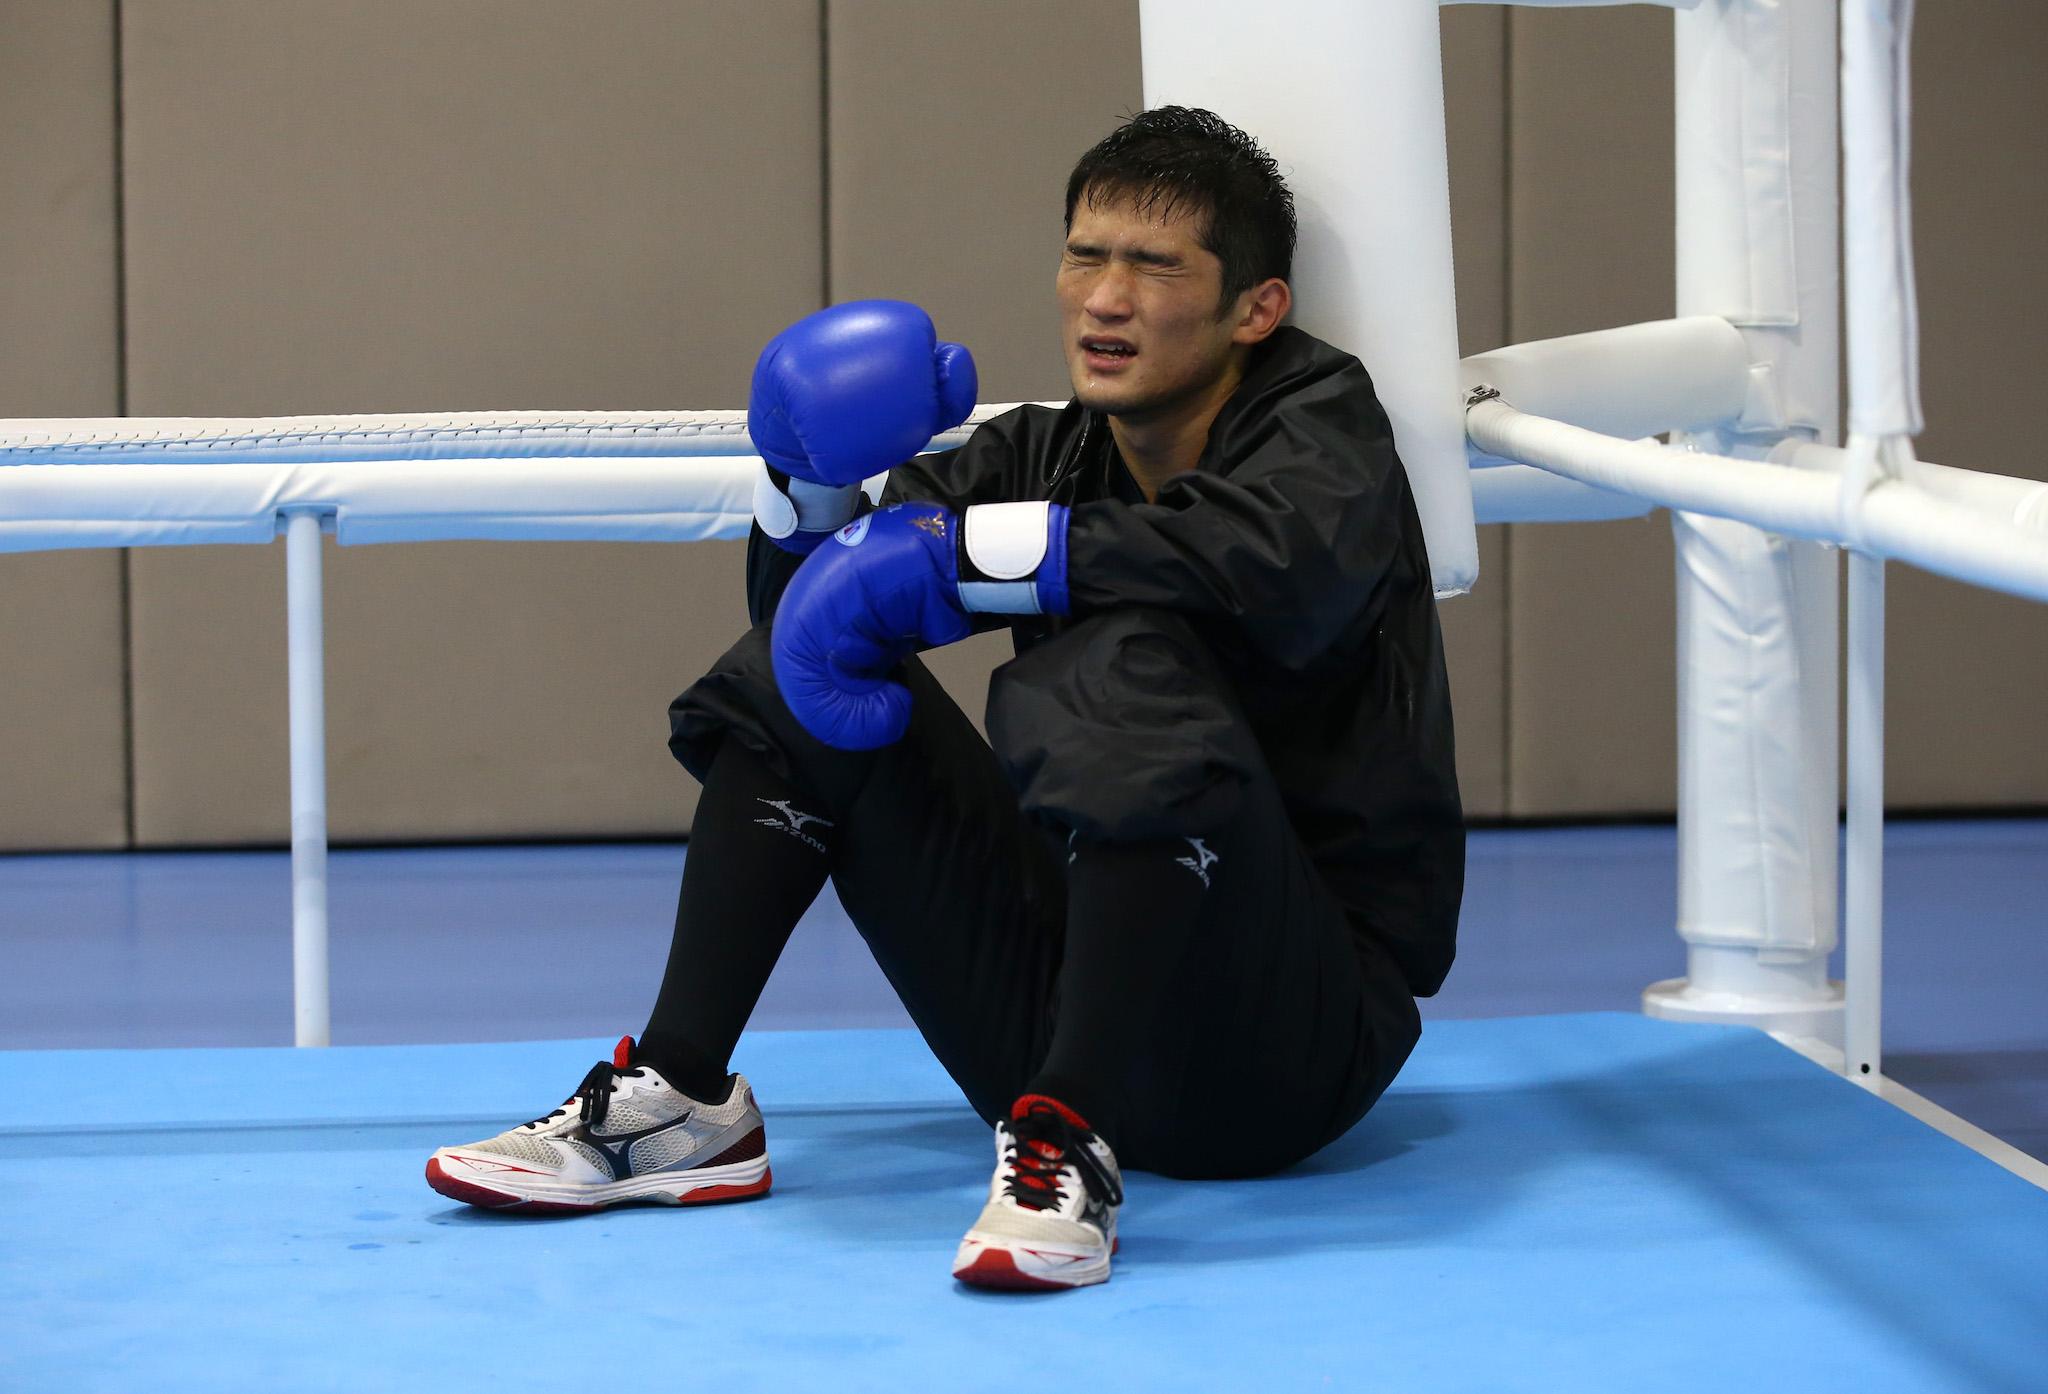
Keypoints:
pixel 1897 519
pixel 1993 1149
pixel 2020 502
pixel 1525 494
pixel 1576 4
pixel 1884 413
pixel 1877 224
pixel 308 680
pixel 1863 902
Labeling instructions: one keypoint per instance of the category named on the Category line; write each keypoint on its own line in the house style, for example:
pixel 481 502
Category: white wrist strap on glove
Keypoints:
pixel 801 506
pixel 1005 543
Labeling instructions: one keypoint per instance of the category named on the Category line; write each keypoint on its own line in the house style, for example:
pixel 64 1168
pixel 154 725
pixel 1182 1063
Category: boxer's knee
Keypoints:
pixel 1302 1110
pixel 1123 728
pixel 738 700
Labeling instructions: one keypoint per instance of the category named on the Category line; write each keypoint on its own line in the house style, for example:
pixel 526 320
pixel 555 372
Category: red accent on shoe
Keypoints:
pixel 1028 1102
pixel 469 1193
pixel 1038 1162
pixel 1038 1166
pixel 748 1147
pixel 483 1197
pixel 622 1054
pixel 744 1191
pixel 994 1268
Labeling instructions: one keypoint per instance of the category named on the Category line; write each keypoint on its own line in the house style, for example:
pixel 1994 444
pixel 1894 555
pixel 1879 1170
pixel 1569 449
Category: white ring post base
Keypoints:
pixel 1734 985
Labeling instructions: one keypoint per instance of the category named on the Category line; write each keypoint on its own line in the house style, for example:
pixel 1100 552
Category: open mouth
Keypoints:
pixel 1108 350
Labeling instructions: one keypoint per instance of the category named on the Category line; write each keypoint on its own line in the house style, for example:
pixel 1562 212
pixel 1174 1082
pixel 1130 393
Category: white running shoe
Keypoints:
pixel 1050 1221
pixel 625 1135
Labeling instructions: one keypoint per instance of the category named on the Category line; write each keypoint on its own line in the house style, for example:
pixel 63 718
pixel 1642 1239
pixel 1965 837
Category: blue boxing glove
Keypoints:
pixel 893 582
pixel 854 390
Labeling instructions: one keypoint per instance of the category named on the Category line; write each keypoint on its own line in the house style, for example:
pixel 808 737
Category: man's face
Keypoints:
pixel 1138 311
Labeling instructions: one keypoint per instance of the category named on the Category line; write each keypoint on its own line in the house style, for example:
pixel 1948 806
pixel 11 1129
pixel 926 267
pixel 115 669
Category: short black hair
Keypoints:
pixel 1178 159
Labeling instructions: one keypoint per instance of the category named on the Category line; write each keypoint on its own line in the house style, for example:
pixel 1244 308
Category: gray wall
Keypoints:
pixel 380 205
pixel 63 712
pixel 531 205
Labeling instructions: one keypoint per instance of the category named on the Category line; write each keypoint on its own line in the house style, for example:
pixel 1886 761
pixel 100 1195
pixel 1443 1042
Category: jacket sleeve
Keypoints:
pixel 769 571
pixel 1290 546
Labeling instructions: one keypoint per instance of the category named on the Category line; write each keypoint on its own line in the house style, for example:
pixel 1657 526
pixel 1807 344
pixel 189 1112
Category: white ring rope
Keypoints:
pixel 330 439
pixel 412 436
pixel 688 476
pixel 611 476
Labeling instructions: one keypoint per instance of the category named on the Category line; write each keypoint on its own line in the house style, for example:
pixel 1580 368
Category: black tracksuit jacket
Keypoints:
pixel 1295 550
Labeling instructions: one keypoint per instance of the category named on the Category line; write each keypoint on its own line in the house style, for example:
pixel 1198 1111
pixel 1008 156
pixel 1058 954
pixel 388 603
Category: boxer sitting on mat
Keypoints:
pixel 1177 917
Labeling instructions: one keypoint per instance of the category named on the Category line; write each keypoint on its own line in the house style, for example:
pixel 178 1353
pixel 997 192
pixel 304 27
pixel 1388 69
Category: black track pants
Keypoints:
pixel 1110 905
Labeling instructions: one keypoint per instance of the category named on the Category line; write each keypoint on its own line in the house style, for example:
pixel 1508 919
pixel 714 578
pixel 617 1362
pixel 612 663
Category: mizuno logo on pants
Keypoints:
pixel 792 822
pixel 1201 861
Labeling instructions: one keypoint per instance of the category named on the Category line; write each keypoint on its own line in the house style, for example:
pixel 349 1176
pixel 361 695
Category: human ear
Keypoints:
pixel 1260 311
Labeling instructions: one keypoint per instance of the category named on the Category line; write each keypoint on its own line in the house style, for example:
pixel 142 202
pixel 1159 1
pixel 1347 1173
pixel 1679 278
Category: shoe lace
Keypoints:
pixel 1042 1144
pixel 593 1097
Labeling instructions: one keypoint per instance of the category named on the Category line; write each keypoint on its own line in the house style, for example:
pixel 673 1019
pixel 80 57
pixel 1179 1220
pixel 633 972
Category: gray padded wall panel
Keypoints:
pixel 1591 655
pixel 519 205
pixel 1475 649
pixel 1968 667
pixel 475 690
pixel 63 747
pixel 953 130
pixel 376 205
pixel 59 306
pixel 1475 625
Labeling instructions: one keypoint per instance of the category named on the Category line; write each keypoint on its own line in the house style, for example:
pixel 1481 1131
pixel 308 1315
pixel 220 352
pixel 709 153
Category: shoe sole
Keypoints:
pixel 987 1266
pixel 710 1185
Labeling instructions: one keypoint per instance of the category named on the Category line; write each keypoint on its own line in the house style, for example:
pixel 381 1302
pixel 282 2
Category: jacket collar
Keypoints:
pixel 1286 362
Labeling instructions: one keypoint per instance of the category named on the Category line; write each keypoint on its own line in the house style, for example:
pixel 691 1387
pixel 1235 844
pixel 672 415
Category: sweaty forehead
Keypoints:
pixel 1124 221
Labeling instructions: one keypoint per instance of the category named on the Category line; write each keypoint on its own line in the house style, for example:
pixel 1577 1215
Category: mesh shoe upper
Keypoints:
pixel 625 1120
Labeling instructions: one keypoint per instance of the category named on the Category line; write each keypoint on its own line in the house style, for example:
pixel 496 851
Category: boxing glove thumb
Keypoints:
pixel 856 389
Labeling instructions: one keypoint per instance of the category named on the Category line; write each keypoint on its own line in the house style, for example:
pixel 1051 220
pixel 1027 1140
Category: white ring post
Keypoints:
pixel 1884 416
pixel 308 680
pixel 1863 968
pixel 1757 613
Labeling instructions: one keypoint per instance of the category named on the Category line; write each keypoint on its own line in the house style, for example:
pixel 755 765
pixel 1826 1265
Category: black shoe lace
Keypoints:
pixel 1043 1142
pixel 593 1097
